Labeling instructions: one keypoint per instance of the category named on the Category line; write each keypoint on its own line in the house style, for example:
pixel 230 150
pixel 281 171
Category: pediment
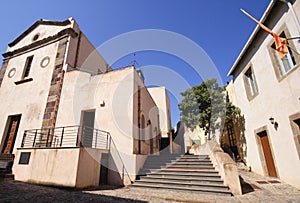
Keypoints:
pixel 39 30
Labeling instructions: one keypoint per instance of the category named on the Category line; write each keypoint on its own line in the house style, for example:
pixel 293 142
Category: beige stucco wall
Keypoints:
pixel 161 98
pixel 83 54
pixel 150 111
pixel 81 91
pixel 48 166
pixel 68 167
pixel 89 164
pixel 115 90
pixel 28 99
pixel 277 99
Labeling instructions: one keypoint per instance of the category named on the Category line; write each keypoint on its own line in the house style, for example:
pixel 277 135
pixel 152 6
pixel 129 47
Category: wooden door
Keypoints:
pixel 13 125
pixel 265 144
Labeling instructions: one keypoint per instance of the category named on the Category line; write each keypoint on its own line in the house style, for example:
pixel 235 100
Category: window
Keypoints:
pixel 283 68
pixel 250 84
pixel 27 67
pixel 289 62
pixel 295 124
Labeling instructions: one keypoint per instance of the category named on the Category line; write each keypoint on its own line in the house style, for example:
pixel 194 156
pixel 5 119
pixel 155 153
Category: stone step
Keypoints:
pixel 7 177
pixel 198 176
pixel 190 173
pixel 193 162
pixel 196 180
pixel 184 170
pixel 195 158
pixel 207 190
pixel 182 183
pixel 5 157
pixel 189 164
pixel 165 155
pixel 192 155
pixel 178 170
pixel 188 167
pixel 162 158
pixel 160 161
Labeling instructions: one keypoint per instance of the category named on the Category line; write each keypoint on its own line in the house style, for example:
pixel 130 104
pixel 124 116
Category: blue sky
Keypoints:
pixel 218 27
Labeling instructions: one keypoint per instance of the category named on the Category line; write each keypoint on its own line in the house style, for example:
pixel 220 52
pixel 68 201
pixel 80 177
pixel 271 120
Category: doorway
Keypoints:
pixel 267 153
pixel 87 124
pixel 12 126
pixel 141 135
pixel 151 140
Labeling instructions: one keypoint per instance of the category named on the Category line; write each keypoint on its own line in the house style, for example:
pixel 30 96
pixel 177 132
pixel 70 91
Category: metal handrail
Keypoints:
pixel 124 168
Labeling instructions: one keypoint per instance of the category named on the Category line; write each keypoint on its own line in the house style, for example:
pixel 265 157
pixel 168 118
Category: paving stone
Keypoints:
pixel 271 192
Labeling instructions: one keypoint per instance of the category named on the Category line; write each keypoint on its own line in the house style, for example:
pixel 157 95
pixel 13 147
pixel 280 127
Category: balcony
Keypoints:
pixel 66 137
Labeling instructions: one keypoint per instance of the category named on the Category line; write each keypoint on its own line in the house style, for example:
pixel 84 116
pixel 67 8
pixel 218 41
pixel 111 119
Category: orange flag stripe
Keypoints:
pixel 281 45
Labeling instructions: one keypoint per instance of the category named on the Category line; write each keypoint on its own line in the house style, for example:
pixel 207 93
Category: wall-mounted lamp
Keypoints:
pixel 102 104
pixel 148 122
pixel 273 122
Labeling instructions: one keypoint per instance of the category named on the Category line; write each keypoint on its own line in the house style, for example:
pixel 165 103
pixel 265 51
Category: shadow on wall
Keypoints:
pixel 233 140
pixel 115 174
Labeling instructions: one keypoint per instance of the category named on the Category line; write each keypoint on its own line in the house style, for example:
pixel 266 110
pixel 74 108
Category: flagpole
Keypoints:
pixel 280 43
pixel 258 22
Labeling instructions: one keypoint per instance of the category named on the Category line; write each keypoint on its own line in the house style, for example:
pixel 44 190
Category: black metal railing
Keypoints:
pixel 75 136
pixel 94 138
pixel 68 136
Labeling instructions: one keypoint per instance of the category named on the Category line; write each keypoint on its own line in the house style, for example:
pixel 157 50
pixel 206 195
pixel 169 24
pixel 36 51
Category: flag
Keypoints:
pixel 280 43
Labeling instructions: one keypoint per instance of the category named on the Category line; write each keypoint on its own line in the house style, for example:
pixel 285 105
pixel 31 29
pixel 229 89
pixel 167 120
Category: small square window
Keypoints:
pixel 250 83
pixel 24 158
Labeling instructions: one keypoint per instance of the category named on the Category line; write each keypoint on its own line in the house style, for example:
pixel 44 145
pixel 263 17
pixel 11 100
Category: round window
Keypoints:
pixel 45 61
pixel 35 37
pixel 12 72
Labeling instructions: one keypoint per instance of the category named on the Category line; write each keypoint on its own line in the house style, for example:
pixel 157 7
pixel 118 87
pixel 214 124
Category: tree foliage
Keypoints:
pixel 205 106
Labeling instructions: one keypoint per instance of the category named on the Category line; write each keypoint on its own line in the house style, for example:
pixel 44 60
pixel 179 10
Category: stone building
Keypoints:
pixel 267 91
pixel 68 118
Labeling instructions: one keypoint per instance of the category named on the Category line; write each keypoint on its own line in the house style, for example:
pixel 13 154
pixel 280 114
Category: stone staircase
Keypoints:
pixel 181 172
pixel 6 162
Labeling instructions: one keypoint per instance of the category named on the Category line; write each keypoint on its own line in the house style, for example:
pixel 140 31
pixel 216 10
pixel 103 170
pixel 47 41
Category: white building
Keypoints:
pixel 267 90
pixel 68 118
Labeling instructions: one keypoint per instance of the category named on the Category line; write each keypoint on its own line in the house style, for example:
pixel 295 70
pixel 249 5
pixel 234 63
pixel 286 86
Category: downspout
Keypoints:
pixel 77 50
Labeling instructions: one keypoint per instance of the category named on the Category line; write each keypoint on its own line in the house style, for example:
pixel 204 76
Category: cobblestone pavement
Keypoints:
pixel 256 189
